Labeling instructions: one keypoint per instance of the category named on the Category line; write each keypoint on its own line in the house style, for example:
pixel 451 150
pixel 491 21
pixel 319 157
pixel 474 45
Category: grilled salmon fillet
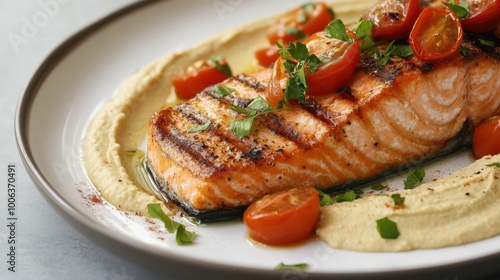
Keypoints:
pixel 388 116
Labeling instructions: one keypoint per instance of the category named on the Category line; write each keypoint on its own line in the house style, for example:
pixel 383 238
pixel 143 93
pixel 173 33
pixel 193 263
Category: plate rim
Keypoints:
pixel 130 251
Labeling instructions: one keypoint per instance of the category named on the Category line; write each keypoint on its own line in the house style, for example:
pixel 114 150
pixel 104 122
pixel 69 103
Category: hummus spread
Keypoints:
pixel 120 126
pixel 457 209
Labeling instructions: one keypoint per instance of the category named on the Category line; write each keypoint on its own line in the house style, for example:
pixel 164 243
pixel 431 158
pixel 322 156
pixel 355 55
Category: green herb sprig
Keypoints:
pixel 222 67
pixel 461 10
pixel 299 266
pixel 259 106
pixel 348 196
pixel 378 187
pixel 297 61
pixel 414 177
pixel 199 128
pixel 398 199
pixel 393 50
pixel 182 236
pixel 387 228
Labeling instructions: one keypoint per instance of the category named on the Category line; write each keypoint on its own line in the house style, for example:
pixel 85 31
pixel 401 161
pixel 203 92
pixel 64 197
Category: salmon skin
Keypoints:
pixel 389 118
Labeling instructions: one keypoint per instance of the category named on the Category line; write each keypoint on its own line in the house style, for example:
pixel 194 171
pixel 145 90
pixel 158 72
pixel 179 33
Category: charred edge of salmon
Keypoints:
pixel 460 142
pixel 221 214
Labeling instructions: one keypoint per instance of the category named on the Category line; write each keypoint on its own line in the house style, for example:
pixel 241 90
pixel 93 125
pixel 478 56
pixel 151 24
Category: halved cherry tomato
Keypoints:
pixel 486 139
pixel 393 19
pixel 200 75
pixel 300 23
pixel 283 218
pixel 437 34
pixel 331 76
pixel 335 74
pixel 484 16
pixel 267 56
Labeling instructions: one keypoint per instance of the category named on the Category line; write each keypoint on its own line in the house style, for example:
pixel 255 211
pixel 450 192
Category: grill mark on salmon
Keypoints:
pixel 388 118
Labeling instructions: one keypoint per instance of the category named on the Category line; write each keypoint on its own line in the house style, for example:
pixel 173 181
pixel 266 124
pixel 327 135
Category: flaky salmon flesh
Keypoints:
pixel 388 116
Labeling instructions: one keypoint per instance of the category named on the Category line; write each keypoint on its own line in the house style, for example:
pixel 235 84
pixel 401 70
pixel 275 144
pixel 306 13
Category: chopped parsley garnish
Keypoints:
pixel 222 91
pixel 222 67
pixel 398 199
pixel 309 7
pixel 324 199
pixel 199 128
pixel 364 32
pixel 486 43
pixel 464 51
pixel 182 236
pixel 259 106
pixel 461 10
pixel 414 177
pixel 336 29
pixel 299 266
pixel 348 196
pixel 378 187
pixel 495 164
pixel 403 51
pixel 297 61
pixel 387 228
pixel 295 31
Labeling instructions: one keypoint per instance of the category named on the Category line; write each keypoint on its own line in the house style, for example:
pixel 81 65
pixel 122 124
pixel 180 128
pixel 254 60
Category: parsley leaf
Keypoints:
pixel 242 127
pixel 295 31
pixel 398 199
pixel 464 51
pixel 309 7
pixel 387 228
pixel 324 198
pixel 336 29
pixel 462 10
pixel 182 236
pixel 414 177
pixel 378 187
pixel 364 29
pixel 486 43
pixel 495 164
pixel 222 67
pixel 299 266
pixel 258 106
pixel 348 196
pixel 199 128
pixel 222 91
pixel 363 32
pixel 395 50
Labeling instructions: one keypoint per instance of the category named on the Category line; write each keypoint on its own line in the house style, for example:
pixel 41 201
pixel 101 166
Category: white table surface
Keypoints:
pixel 47 247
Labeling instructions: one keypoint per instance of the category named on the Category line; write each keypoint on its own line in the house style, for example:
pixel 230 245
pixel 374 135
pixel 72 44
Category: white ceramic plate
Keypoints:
pixel 84 72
